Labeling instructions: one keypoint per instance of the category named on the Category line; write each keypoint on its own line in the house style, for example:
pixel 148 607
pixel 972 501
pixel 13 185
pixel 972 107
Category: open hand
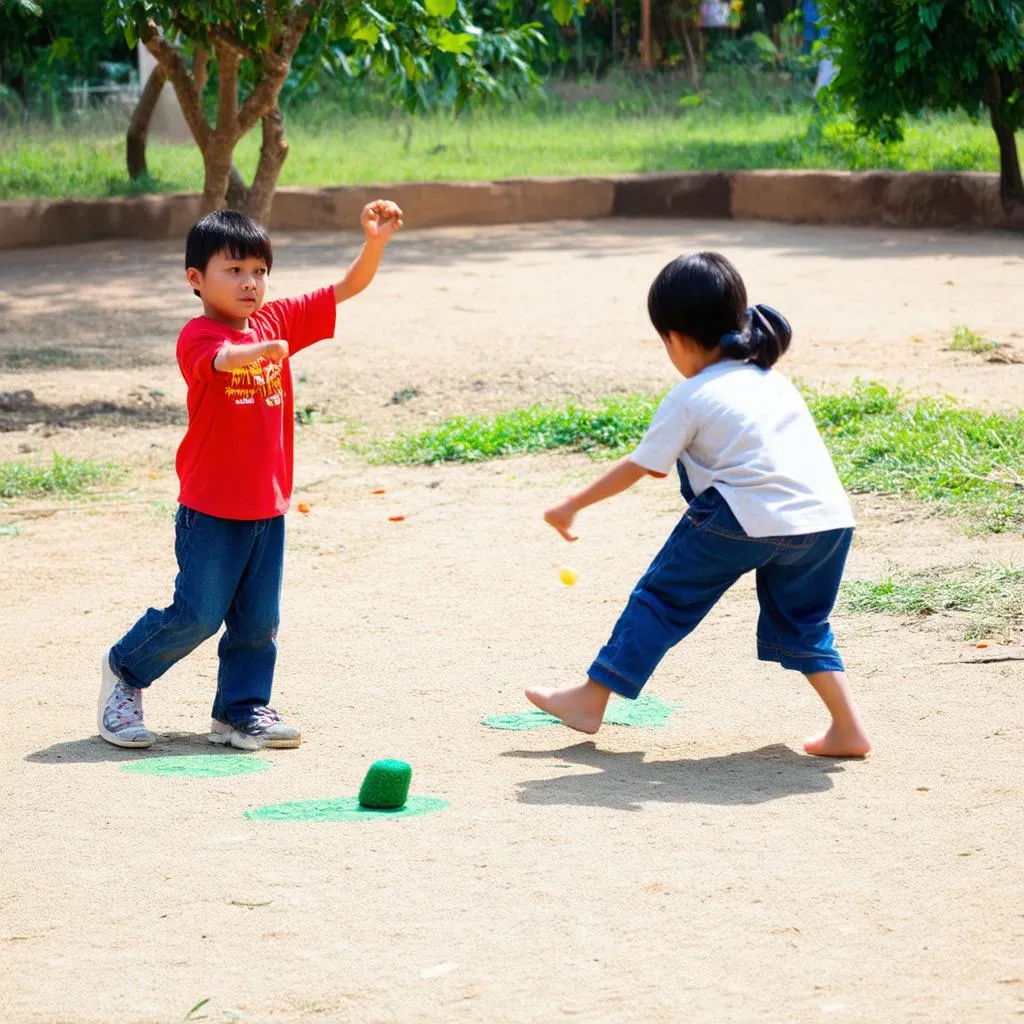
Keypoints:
pixel 381 220
pixel 560 517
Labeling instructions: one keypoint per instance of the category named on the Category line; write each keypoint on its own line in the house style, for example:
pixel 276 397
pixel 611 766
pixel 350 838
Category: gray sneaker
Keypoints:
pixel 119 713
pixel 265 728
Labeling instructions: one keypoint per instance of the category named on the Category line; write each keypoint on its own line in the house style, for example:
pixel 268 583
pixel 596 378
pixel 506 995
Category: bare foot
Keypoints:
pixel 579 707
pixel 834 742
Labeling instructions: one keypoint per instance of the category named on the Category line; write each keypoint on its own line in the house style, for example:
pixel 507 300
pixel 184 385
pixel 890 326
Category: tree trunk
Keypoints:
pixel 273 154
pixel 692 59
pixel 217 165
pixel 1011 184
pixel 223 184
pixel 138 128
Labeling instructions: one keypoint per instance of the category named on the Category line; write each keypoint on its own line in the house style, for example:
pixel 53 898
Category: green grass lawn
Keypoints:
pixel 965 462
pixel 992 596
pixel 63 475
pixel 333 147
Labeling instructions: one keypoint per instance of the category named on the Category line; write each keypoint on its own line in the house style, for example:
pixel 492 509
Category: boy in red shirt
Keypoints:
pixel 235 470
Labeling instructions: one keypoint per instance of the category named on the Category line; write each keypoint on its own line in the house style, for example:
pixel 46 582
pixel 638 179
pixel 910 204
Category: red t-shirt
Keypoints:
pixel 236 458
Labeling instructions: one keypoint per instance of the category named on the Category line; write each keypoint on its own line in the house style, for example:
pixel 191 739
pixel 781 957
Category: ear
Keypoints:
pixel 675 338
pixel 194 278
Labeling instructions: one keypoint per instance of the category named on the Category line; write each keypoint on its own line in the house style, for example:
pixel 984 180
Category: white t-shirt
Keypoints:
pixel 748 433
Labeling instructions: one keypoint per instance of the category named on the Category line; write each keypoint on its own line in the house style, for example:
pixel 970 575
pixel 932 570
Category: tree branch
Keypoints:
pixel 138 128
pixel 170 58
pixel 273 153
pixel 200 68
pixel 228 61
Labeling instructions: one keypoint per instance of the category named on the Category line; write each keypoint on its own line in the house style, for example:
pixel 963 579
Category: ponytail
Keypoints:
pixel 763 339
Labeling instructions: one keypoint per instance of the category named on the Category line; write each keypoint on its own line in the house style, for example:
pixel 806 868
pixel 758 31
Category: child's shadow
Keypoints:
pixel 93 750
pixel 626 781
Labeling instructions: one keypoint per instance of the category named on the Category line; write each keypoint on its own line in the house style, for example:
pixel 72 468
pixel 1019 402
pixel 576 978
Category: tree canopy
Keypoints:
pixel 432 52
pixel 900 57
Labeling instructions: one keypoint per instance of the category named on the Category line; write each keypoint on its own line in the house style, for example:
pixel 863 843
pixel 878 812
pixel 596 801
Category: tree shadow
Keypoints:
pixel 93 750
pixel 625 781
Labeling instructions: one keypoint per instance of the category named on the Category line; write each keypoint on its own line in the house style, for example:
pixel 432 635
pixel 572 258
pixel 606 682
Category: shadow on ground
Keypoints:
pixel 21 409
pixel 93 750
pixel 625 781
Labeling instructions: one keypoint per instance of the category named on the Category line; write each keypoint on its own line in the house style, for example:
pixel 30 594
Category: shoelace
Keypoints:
pixel 265 716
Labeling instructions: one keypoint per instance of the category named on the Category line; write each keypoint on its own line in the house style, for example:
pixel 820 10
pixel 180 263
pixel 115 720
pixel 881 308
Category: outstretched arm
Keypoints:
pixel 619 478
pixel 380 220
pixel 234 357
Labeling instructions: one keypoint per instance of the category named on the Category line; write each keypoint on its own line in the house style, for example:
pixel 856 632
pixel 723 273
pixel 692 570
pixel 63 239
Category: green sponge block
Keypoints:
pixel 386 786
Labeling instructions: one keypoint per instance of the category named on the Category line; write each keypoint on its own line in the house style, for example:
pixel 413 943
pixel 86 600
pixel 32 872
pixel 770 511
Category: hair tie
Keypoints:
pixel 734 339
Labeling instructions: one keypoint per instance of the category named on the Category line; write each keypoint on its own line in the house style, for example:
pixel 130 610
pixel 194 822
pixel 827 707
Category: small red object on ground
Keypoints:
pixel 395 519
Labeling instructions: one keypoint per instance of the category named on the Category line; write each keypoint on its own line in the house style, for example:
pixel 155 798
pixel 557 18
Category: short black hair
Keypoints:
pixel 230 232
pixel 703 296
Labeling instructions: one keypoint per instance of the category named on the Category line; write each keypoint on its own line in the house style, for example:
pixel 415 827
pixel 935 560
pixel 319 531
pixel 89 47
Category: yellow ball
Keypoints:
pixel 568 577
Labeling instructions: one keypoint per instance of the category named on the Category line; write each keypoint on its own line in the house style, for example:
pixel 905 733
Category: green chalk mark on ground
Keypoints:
pixel 344 808
pixel 646 712
pixel 520 720
pixel 201 766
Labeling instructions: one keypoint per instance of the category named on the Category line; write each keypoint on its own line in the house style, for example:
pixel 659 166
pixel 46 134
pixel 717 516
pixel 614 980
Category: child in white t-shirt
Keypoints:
pixel 763 496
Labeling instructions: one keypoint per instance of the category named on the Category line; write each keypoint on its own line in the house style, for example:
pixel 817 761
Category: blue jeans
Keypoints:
pixel 229 572
pixel 797 582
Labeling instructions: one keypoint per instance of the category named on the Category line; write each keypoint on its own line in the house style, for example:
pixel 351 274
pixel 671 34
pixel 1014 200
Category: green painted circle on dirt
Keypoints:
pixel 646 712
pixel 200 766
pixel 345 808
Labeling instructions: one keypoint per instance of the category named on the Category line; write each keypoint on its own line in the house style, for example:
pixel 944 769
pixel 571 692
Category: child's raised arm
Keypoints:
pixel 619 478
pixel 380 220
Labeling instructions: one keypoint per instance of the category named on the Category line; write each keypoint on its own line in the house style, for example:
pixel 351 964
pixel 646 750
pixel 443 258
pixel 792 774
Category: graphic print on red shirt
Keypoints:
pixel 236 458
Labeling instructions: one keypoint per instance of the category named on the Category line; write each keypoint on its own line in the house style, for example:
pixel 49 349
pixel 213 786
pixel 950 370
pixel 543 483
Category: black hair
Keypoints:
pixel 703 296
pixel 230 232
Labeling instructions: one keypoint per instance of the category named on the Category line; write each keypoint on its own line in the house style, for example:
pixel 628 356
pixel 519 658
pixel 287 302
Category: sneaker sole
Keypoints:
pixel 240 741
pixel 107 683
pixel 224 735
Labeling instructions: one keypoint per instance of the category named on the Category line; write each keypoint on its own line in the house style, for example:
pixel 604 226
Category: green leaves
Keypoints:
pixel 899 57
pixel 441 8
pixel 454 42
pixel 563 10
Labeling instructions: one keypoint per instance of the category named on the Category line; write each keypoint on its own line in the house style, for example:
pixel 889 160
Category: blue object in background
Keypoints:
pixel 813 27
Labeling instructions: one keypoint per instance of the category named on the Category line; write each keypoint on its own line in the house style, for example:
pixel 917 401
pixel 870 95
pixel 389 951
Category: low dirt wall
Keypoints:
pixel 894 199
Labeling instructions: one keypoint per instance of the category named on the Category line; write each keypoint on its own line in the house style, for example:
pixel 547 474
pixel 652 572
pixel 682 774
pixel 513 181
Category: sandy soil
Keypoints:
pixel 707 871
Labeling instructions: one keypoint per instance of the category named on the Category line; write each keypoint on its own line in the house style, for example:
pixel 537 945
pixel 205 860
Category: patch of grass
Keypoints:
pixel 612 426
pixel 992 595
pixel 63 475
pixel 964 460
pixel 43 358
pixel 9 529
pixel 966 340
pixel 732 125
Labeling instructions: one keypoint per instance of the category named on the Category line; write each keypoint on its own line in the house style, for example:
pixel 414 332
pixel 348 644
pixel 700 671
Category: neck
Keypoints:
pixel 212 313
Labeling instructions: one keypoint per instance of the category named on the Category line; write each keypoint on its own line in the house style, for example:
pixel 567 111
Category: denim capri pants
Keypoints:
pixel 797 582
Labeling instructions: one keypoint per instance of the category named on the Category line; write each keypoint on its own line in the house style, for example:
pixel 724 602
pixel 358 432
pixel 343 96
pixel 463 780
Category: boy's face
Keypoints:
pixel 234 288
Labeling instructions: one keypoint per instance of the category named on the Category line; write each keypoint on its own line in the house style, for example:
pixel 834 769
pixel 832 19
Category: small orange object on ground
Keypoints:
pixel 395 519
pixel 379 490
pixel 304 507
pixel 983 643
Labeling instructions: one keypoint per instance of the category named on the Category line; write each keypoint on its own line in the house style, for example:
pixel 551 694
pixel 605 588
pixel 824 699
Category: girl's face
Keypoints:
pixel 687 356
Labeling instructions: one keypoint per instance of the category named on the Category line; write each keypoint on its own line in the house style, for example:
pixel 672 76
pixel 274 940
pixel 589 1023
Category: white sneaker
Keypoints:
pixel 265 728
pixel 119 713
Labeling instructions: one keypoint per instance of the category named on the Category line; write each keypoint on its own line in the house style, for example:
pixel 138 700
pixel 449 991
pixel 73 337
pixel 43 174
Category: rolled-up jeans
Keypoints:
pixel 229 573
pixel 797 582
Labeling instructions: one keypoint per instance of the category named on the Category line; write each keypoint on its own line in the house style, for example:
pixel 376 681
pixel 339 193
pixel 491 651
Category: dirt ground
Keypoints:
pixel 707 871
